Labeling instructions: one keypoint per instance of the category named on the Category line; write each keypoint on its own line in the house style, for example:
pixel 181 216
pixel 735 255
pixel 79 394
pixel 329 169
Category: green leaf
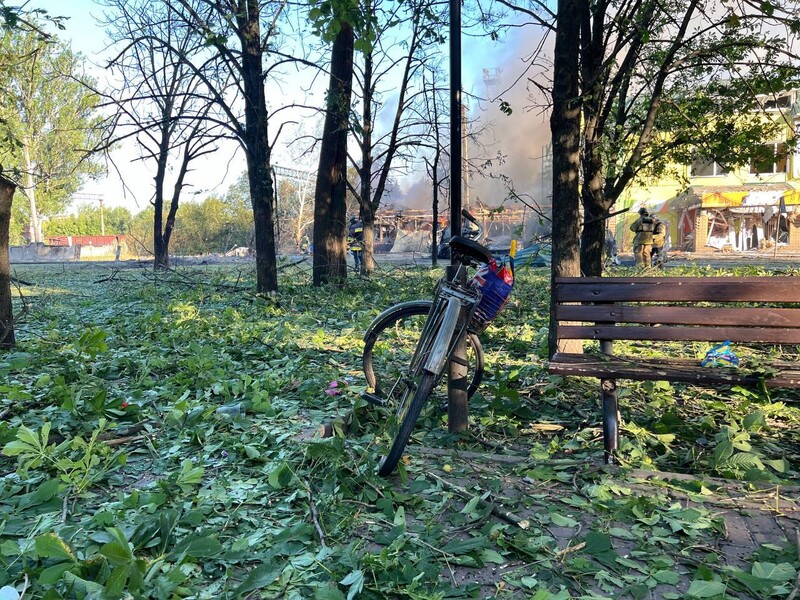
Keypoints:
pixel 117 580
pixel 46 491
pixel 457 547
pixel 328 592
pixel 562 521
pixel 258 578
pixel 51 575
pixel 705 589
pixel 400 517
pixel 189 476
pixel 116 553
pixel 597 543
pixel 492 556
pixel 204 547
pixel 280 477
pixel 355 579
pixel 773 572
pixel 49 545
pixel 664 576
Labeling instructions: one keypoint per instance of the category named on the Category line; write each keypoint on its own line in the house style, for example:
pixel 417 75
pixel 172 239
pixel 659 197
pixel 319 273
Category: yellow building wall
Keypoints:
pixel 654 193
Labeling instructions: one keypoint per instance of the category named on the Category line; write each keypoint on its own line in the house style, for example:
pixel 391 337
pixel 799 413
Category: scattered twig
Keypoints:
pixel 107 436
pixel 18 281
pixel 123 440
pixel 109 278
pixel 315 516
pixel 569 549
pixel 294 264
pixel 24 587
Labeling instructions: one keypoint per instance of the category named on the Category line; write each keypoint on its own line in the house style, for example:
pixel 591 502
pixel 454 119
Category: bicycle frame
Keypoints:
pixel 461 300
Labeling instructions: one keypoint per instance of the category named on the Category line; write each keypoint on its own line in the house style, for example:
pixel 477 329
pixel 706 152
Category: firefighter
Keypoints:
pixel 643 240
pixel 355 240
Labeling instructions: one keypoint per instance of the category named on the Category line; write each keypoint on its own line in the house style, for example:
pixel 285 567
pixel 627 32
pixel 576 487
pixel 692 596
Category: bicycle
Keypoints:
pixel 459 308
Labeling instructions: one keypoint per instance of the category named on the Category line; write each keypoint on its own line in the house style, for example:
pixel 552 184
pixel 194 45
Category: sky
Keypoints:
pixel 519 136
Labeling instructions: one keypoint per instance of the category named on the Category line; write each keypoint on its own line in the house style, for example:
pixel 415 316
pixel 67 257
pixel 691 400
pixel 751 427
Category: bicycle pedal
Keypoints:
pixel 373 399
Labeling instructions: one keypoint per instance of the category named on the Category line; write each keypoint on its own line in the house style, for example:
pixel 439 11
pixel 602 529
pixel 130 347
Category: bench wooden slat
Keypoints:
pixel 657 369
pixel 683 334
pixel 681 315
pixel 668 289
pixel 666 309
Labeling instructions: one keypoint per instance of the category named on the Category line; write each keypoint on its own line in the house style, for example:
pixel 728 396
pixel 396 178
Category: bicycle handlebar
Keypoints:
pixel 472 233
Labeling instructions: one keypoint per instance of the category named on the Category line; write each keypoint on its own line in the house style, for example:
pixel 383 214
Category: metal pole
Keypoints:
pixel 457 411
pixel 102 219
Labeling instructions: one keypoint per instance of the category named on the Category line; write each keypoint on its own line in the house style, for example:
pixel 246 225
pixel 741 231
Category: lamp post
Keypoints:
pixel 457 410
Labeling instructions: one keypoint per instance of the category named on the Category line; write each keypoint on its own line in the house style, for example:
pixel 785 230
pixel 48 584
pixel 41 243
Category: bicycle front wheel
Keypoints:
pixel 425 371
pixel 390 342
pixel 406 425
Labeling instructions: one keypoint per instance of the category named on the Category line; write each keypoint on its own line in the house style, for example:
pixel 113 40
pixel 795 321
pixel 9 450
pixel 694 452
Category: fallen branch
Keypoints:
pixel 109 278
pixel 569 549
pixel 294 264
pixel 123 440
pixel 504 515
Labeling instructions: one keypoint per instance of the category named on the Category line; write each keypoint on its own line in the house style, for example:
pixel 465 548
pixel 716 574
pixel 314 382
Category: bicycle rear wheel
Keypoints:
pixel 390 342
pixel 437 339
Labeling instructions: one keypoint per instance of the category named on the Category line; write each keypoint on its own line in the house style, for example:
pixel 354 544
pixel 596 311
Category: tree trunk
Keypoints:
pixel 160 245
pixel 368 207
pixel 7 339
pixel 330 248
pixel 565 123
pixel 30 193
pixel 595 206
pixel 368 243
pixel 259 172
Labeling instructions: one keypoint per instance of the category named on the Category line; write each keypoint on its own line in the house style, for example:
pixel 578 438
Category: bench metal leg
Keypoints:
pixel 610 418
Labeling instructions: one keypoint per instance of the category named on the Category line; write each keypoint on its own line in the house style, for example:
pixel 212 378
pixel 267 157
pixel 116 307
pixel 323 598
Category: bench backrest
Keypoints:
pixel 685 308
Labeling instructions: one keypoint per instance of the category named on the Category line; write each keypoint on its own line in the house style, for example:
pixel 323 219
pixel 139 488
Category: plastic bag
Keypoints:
pixel 495 283
pixel 721 355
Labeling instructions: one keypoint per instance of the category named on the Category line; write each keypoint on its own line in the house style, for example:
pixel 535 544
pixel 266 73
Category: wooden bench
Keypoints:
pixel 748 311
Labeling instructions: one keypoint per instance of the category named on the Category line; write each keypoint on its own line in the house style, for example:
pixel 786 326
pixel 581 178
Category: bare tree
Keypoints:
pixel 243 65
pixel 161 102
pixel 401 32
pixel 435 105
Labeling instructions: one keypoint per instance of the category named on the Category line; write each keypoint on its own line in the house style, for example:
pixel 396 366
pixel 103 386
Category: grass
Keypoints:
pixel 160 441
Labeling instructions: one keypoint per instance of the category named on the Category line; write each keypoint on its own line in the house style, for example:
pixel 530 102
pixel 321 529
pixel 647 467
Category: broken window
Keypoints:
pixel 702 167
pixel 771 159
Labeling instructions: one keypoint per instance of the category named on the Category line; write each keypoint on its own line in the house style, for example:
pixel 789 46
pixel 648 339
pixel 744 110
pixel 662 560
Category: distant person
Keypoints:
pixel 611 247
pixel 355 239
pixel 305 245
pixel 643 240
pixel 657 251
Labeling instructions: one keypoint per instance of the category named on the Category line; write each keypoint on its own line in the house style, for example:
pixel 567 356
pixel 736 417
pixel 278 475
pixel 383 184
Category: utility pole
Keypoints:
pixel 457 410
pixel 465 156
pixel 102 219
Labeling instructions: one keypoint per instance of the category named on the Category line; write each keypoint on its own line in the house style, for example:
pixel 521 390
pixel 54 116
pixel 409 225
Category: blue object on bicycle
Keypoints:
pixel 494 295
pixel 720 355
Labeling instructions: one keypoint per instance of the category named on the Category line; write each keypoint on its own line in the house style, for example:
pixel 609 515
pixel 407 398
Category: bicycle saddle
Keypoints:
pixel 466 250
